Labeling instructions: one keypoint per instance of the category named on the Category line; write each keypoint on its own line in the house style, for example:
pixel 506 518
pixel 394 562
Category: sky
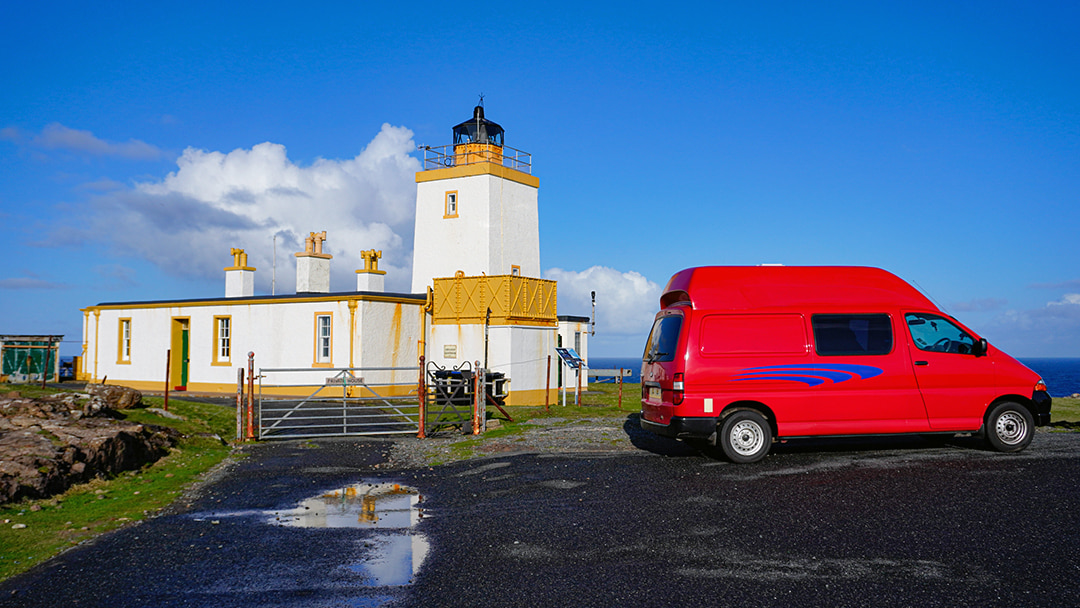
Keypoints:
pixel 139 142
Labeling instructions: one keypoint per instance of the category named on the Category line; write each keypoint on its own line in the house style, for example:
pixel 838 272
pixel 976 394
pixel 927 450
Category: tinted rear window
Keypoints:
pixel 855 334
pixel 663 339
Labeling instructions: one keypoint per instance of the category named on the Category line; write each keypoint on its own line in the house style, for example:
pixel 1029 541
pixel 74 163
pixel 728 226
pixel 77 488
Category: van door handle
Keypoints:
pixel 923 363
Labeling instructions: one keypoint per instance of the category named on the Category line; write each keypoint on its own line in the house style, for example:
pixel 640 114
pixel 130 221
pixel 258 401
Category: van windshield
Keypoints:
pixel 663 339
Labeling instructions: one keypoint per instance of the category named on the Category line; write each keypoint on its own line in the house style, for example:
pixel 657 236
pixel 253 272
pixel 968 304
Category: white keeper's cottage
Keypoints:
pixel 477 296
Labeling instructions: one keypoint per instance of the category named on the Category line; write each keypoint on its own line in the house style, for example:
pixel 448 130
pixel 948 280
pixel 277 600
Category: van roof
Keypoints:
pixel 787 287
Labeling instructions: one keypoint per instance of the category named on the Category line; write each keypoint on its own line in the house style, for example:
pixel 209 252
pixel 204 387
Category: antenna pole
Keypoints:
pixel 592 331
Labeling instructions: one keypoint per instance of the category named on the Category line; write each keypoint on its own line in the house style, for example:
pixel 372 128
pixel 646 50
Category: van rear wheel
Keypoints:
pixel 745 437
pixel 1009 427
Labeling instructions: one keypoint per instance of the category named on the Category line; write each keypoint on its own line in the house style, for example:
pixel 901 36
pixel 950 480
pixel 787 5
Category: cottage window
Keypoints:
pixel 323 338
pixel 124 346
pixel 222 339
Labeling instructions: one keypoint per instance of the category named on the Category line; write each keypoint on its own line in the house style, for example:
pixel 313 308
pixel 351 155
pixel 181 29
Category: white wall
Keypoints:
pixel 282 334
pixel 497 226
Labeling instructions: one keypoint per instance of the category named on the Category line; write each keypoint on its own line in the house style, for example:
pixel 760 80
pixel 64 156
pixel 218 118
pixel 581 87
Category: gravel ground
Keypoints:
pixel 600 435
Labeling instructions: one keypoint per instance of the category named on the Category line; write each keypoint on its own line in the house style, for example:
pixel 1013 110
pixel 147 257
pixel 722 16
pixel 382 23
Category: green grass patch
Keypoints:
pixel 87 510
pixel 1065 409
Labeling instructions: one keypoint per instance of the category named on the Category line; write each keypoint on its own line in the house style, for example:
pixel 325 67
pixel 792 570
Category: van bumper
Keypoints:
pixel 682 427
pixel 1042 402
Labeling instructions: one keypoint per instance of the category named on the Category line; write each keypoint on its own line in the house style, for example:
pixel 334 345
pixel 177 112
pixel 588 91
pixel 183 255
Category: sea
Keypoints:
pixel 1062 376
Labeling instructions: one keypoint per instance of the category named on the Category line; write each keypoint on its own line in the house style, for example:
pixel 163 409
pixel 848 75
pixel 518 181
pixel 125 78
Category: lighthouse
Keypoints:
pixel 476 208
pixel 477 248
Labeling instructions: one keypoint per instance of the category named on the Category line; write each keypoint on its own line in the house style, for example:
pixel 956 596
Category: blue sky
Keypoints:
pixel 140 141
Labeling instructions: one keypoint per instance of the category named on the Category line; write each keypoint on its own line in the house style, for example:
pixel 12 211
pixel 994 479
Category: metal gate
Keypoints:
pixel 450 399
pixel 454 399
pixel 295 403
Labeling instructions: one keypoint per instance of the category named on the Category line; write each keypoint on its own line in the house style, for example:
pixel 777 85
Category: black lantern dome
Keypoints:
pixel 478 130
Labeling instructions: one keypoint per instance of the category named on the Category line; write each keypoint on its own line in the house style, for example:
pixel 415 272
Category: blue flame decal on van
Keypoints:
pixel 809 373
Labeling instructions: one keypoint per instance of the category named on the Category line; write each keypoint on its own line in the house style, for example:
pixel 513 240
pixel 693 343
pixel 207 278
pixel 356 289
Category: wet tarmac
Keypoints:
pixel 815 524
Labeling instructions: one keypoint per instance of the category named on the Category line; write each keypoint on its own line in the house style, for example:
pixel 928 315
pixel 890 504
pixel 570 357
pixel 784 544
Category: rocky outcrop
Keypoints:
pixel 49 444
pixel 116 397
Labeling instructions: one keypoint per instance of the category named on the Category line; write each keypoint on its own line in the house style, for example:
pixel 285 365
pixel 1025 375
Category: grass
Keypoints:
pixel 1065 409
pixel 90 509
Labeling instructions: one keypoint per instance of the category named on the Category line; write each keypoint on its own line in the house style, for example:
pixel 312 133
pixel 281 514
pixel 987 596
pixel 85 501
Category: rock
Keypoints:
pixel 116 397
pixel 49 444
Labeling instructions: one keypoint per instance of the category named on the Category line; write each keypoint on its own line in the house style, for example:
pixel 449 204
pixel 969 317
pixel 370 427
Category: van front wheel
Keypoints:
pixel 745 437
pixel 1009 427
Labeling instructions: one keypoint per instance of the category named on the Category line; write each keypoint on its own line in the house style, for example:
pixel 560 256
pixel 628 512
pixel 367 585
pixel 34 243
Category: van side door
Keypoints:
pixel 863 382
pixel 956 384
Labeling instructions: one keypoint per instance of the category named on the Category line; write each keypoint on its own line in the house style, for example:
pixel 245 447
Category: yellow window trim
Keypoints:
pixel 446 204
pixel 120 360
pixel 215 342
pixel 315 353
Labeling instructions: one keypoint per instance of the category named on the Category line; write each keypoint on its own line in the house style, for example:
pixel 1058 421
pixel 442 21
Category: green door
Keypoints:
pixel 178 365
pixel 183 359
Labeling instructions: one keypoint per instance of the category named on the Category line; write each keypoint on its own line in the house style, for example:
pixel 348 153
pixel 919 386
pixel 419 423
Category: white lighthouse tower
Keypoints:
pixel 475 208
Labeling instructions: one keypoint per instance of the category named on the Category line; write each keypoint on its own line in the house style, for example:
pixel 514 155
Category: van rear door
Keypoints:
pixel 658 365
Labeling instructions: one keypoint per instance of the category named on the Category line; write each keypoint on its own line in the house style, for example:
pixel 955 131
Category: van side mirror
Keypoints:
pixel 979 348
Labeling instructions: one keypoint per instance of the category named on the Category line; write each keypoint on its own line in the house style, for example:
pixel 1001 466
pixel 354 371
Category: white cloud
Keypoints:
pixel 1052 331
pixel 58 137
pixel 186 222
pixel 1070 299
pixel 625 301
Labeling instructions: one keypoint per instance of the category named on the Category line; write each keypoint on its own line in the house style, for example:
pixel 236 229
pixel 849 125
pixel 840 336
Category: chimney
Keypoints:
pixel 370 278
pixel 239 278
pixel 313 266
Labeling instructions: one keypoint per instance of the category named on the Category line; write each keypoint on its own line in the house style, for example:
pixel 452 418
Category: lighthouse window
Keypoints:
pixel 322 338
pixel 451 204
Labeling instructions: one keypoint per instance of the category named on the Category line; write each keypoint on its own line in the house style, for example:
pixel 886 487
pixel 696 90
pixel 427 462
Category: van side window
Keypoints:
pixel 937 334
pixel 854 334
pixel 663 339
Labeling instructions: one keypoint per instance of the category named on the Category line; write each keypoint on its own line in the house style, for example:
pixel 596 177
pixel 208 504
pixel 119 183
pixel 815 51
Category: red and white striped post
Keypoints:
pixel 251 397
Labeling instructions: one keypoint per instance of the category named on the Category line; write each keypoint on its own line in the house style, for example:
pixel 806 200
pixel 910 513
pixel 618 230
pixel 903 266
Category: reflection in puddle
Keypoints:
pixel 364 505
pixel 390 559
pixel 395 559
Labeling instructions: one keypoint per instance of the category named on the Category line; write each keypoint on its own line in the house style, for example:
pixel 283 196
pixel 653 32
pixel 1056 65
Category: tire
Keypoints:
pixel 1009 427
pixel 745 437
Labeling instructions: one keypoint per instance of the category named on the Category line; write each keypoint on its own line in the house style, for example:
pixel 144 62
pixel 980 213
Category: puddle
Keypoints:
pixel 363 505
pixel 395 559
pixel 389 558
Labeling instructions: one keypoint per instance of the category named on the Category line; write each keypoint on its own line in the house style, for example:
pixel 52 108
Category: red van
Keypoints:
pixel 742 357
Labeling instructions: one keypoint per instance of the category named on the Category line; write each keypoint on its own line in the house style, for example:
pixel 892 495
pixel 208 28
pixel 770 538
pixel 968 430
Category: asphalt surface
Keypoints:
pixel 825 524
